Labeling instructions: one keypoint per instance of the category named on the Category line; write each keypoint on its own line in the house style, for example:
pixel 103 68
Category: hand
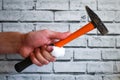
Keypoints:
pixel 41 57
pixel 31 41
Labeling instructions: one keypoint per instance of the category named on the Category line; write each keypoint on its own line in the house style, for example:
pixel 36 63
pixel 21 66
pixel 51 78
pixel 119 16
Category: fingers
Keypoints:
pixel 41 57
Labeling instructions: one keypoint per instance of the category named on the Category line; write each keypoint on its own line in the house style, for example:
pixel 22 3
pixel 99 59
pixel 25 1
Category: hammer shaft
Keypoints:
pixel 88 27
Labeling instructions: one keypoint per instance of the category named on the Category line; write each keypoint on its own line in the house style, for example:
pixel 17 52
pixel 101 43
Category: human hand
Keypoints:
pixel 31 41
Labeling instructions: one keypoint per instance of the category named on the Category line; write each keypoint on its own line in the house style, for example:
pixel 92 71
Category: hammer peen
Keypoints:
pixel 95 23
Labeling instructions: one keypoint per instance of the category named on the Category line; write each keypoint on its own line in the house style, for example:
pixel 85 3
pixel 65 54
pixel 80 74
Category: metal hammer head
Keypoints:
pixel 96 21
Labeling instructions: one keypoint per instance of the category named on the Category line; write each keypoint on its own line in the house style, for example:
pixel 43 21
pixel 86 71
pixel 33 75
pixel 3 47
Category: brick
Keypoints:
pixel 52 4
pixel 57 77
pixel 108 4
pixel 9 15
pixel 118 42
pixel 2 56
pixel 76 26
pixel 19 27
pixel 117 16
pixel 63 67
pixel 2 77
pixel 112 77
pixel 61 27
pixel 14 56
pixel 106 15
pixel 18 4
pixel 111 54
pixel 117 67
pixel 70 16
pixel 87 54
pixel 113 28
pixel 26 16
pixel 47 77
pixel 0 4
pixel 88 77
pixel 24 77
pixel 78 42
pixel 100 67
pixel 35 68
pixel 36 16
pixel 80 4
pixel 7 66
pixel 101 41
pixel 68 54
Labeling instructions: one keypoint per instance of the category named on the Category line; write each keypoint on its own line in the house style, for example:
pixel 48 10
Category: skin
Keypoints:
pixel 33 44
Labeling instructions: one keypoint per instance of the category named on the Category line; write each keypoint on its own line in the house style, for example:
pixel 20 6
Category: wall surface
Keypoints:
pixel 90 57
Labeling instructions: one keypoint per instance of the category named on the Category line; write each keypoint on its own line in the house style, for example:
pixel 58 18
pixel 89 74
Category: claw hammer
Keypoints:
pixel 95 23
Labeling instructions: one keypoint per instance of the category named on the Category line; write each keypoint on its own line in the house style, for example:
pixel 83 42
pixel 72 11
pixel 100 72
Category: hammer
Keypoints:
pixel 95 23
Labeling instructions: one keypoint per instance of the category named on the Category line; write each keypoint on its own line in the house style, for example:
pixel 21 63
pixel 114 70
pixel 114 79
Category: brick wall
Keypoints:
pixel 90 57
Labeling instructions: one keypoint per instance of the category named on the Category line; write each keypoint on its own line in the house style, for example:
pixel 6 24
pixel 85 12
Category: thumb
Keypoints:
pixel 59 35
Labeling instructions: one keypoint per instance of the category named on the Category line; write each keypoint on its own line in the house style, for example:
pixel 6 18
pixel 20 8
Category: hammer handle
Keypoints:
pixel 20 66
pixel 27 62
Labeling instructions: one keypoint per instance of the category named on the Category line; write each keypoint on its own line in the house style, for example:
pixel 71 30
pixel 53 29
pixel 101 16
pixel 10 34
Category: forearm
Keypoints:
pixel 10 42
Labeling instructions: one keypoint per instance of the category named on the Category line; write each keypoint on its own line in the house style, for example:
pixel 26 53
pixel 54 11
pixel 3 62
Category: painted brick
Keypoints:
pixel 36 16
pixel 70 16
pixel 80 4
pixel 13 56
pixel 101 41
pixel 18 4
pixel 111 77
pixel 111 54
pixel 78 42
pixel 34 68
pixel 87 54
pixel 24 77
pixel 0 4
pixel 53 26
pixel 47 77
pixel 108 4
pixel 68 54
pixel 2 77
pixel 106 15
pixel 117 66
pixel 76 26
pixel 100 67
pixel 113 28
pixel 2 56
pixel 117 16
pixel 9 15
pixel 26 16
pixel 7 66
pixel 88 77
pixel 52 4
pixel 57 77
pixel 20 27
pixel 79 67
pixel 118 42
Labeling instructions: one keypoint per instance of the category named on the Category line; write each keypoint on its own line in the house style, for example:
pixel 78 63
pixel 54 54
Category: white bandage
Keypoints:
pixel 58 51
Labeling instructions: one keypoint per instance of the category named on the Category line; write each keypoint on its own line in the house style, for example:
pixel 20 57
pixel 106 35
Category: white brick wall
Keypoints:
pixel 52 4
pixel 89 57
pixel 18 4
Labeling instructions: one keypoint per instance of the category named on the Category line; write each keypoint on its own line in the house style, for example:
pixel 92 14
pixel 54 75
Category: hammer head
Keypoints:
pixel 96 21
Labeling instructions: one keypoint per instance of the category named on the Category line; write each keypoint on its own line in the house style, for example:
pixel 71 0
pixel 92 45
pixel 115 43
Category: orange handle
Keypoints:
pixel 75 34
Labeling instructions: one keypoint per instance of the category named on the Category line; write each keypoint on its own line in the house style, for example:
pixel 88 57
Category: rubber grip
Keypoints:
pixel 19 67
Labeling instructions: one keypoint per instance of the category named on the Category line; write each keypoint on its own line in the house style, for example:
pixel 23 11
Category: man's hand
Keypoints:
pixel 36 45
